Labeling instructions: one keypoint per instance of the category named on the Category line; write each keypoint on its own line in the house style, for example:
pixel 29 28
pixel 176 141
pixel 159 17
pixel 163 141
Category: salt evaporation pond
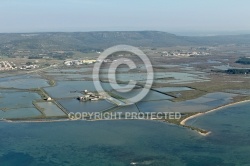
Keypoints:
pixel 18 104
pixel 201 104
pixel 73 105
pixel 23 82
pixel 50 109
pixel 127 142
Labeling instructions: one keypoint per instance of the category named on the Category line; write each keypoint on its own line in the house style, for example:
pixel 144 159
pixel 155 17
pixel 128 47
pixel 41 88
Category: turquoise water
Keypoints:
pixel 233 123
pixel 124 142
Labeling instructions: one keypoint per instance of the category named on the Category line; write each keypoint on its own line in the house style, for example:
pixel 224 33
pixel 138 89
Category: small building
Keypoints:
pixel 90 93
pixel 90 96
pixel 88 61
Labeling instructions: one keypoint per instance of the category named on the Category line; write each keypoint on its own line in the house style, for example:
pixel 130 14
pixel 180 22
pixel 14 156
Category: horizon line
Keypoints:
pixel 178 33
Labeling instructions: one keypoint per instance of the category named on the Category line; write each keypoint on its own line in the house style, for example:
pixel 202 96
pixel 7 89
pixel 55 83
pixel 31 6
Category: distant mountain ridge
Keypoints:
pixel 100 40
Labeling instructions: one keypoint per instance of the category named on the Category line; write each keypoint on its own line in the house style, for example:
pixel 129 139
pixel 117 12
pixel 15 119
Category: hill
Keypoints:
pixel 94 41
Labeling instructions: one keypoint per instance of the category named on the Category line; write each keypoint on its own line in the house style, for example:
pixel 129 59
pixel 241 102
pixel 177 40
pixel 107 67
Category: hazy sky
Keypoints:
pixel 96 15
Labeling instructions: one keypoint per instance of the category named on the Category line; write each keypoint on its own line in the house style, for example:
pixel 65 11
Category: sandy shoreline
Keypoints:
pixel 183 122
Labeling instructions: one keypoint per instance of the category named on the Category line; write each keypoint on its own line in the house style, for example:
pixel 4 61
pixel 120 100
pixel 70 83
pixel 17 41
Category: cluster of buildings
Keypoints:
pixel 78 62
pixel 5 65
pixel 28 67
pixel 85 62
pixel 183 54
pixel 89 96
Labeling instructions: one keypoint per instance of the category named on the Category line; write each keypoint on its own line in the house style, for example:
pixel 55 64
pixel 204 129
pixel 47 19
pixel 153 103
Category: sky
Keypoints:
pixel 124 15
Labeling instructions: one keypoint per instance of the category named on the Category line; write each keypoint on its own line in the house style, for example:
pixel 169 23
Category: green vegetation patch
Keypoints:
pixel 244 60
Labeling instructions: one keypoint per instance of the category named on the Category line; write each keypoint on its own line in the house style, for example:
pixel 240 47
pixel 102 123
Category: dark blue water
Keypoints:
pixel 126 142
